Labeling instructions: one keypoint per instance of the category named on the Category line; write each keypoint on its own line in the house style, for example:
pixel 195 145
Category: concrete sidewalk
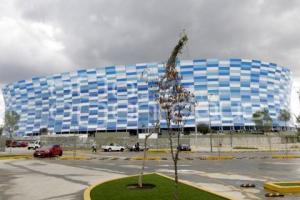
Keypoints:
pixel 37 180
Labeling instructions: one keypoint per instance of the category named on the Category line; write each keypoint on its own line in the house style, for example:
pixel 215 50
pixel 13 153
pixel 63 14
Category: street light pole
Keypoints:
pixel 209 123
pixel 196 128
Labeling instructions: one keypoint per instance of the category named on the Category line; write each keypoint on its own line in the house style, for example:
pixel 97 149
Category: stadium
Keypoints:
pixel 123 98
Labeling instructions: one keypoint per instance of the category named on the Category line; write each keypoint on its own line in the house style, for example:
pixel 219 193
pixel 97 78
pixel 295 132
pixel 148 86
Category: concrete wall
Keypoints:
pixel 200 141
pixel 126 140
pixel 66 141
pixel 237 140
pixel 121 138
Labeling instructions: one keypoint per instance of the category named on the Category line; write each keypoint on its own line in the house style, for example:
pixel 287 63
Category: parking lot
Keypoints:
pixel 41 179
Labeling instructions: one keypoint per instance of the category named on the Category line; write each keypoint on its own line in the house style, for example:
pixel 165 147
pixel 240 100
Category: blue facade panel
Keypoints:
pixel 124 97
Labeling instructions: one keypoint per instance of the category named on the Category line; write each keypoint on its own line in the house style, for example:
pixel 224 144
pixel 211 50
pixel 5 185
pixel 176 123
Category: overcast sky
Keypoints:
pixel 51 36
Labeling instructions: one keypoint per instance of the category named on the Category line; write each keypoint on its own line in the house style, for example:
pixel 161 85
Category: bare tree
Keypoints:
pixel 140 183
pixel 176 103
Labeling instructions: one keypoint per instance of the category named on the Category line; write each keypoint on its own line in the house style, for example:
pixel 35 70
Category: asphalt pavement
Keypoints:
pixel 52 179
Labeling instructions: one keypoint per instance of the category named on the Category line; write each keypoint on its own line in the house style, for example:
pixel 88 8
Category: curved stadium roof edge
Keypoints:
pixel 152 63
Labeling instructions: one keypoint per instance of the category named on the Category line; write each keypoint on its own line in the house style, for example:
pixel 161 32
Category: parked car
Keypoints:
pixel 48 151
pixel 22 144
pixel 134 148
pixel 14 143
pixel 34 145
pixel 184 147
pixel 112 147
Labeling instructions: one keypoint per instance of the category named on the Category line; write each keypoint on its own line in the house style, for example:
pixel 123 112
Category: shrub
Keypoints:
pixel 203 128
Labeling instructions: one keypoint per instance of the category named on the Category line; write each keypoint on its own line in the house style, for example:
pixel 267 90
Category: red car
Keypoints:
pixel 14 143
pixel 48 151
pixel 22 144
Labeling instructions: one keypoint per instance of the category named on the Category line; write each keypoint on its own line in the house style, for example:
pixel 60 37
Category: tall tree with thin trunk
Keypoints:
pixel 176 103
pixel 285 116
pixel 298 123
pixel 297 119
pixel 11 121
pixel 140 183
pixel 262 120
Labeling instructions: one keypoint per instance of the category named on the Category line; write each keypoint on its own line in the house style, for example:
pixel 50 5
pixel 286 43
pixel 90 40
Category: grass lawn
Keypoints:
pixel 117 190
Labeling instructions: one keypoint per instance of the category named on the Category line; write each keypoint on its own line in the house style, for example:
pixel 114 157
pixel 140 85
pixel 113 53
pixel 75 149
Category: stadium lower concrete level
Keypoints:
pixel 119 98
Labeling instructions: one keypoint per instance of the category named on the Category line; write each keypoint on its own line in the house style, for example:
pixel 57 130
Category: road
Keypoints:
pixel 51 179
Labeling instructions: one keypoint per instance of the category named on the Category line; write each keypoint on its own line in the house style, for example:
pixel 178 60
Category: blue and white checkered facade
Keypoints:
pixel 124 97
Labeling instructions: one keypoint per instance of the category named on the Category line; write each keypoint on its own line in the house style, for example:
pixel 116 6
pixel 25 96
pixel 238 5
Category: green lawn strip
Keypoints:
pixel 117 190
pixel 288 184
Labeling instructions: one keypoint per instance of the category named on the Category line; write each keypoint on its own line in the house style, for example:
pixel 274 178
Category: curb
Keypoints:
pixel 147 158
pixel 274 186
pixel 198 187
pixel 203 158
pixel 285 156
pixel 217 158
pixel 87 191
pixel 15 157
pixel 76 158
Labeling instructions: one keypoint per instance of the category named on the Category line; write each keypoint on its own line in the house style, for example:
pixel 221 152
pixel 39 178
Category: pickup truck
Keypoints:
pixel 112 147
pixel 34 145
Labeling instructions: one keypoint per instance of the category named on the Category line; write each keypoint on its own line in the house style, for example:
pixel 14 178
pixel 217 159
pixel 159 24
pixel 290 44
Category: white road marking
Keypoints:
pixel 173 165
pixel 133 166
pixel 214 175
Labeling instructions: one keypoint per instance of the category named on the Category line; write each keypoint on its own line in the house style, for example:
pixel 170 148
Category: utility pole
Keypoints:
pixel 209 124
pixel 196 128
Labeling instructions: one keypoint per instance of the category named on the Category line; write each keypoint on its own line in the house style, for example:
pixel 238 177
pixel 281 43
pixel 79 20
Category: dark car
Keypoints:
pixel 137 148
pixel 22 144
pixel 14 143
pixel 48 151
pixel 184 147
pixel 10 143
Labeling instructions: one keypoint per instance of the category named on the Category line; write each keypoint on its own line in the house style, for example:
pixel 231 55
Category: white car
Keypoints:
pixel 113 147
pixel 34 145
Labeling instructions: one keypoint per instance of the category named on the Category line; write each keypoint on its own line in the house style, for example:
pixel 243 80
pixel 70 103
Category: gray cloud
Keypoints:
pixel 52 36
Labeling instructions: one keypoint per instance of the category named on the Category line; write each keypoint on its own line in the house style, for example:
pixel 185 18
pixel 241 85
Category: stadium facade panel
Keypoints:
pixel 124 97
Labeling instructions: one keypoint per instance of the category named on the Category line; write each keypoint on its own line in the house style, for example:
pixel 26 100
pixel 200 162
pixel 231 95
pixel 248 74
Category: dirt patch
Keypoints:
pixel 135 186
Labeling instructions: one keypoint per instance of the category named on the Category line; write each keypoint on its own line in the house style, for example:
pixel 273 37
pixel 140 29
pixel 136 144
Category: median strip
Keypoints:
pixel 74 158
pixel 285 156
pixel 13 157
pixel 148 158
pixel 216 158
pixel 283 187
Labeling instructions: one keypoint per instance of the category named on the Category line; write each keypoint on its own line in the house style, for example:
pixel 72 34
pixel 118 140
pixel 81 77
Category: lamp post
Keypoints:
pixel 196 128
pixel 209 124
